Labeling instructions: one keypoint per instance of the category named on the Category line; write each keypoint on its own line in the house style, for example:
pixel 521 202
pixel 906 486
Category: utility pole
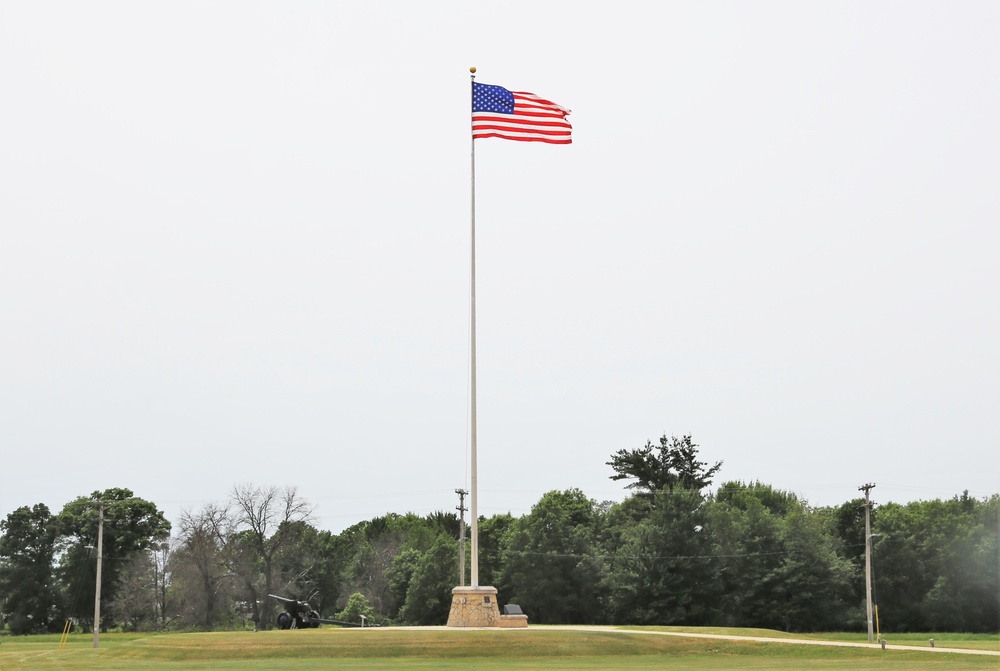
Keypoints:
pixel 97 593
pixel 461 535
pixel 866 488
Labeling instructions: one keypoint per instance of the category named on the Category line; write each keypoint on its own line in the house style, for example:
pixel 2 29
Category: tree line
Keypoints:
pixel 673 552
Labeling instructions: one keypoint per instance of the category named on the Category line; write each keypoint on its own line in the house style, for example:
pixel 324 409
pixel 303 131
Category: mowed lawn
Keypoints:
pixel 950 640
pixel 441 648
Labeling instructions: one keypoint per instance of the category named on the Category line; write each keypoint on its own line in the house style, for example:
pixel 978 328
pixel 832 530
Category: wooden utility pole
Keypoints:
pixel 461 535
pixel 97 594
pixel 866 488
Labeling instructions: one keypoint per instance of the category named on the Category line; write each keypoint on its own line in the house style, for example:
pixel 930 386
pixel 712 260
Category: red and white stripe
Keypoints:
pixel 534 120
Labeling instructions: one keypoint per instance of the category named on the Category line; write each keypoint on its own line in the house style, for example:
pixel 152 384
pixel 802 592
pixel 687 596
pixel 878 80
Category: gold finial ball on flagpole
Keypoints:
pixel 473 69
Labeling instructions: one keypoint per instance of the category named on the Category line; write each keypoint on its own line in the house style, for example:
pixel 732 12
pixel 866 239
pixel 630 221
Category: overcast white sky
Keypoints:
pixel 234 247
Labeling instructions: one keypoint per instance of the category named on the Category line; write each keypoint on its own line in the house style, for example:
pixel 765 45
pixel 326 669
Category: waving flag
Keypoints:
pixel 516 115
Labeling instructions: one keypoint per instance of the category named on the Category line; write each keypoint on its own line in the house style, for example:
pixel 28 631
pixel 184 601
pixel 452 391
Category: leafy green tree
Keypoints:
pixel 438 523
pixel 848 523
pixel 810 573
pixel 671 464
pixel 131 526
pixel 493 538
pixel 404 565
pixel 370 548
pixel 777 561
pixel 405 542
pixel 746 495
pixel 320 567
pixel 935 565
pixel 903 575
pixel 964 593
pixel 28 600
pixel 744 525
pixel 357 605
pixel 552 566
pixel 301 562
pixel 428 596
pixel 661 573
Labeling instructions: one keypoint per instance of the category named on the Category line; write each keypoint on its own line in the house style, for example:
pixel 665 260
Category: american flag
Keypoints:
pixel 516 115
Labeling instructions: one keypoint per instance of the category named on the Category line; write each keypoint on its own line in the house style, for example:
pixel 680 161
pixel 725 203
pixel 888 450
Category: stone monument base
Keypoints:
pixel 474 607
pixel 513 621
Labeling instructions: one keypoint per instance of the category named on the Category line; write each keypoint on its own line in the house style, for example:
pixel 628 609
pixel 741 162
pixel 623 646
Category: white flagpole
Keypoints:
pixel 474 501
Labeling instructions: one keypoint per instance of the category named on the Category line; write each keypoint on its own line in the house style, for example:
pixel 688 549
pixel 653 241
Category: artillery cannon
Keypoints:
pixel 300 615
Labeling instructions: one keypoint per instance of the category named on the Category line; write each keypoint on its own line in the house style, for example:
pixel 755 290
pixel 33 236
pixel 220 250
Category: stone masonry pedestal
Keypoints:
pixel 474 607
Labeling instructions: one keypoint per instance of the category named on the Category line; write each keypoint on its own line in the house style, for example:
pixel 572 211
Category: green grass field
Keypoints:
pixel 964 641
pixel 533 648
